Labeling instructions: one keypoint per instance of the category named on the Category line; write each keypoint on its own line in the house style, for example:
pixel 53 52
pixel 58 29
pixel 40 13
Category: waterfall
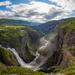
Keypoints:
pixel 19 59
pixel 21 62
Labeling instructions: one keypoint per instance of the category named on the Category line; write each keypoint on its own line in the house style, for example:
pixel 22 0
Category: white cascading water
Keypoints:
pixel 45 43
pixel 20 60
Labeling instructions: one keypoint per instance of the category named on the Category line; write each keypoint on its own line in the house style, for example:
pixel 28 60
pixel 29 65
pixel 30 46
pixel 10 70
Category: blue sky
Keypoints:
pixel 37 10
pixel 22 1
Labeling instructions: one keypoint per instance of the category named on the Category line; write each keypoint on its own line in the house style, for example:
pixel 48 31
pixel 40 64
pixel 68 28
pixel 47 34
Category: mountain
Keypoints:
pixel 50 26
pixel 16 22
pixel 46 28
pixel 22 50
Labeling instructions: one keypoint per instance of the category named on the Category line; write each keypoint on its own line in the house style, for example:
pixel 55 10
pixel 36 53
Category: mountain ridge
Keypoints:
pixel 16 22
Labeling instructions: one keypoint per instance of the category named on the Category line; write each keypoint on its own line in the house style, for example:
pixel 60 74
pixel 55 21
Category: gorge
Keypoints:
pixel 33 64
pixel 22 46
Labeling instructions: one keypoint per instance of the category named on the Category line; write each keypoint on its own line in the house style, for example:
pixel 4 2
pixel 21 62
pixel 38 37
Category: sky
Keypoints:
pixel 39 11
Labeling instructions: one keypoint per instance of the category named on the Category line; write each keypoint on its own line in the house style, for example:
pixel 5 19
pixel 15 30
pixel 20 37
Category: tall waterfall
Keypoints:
pixel 20 60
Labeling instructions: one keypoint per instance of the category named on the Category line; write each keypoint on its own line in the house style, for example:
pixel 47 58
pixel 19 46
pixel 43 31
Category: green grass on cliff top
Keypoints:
pixel 9 33
pixel 68 23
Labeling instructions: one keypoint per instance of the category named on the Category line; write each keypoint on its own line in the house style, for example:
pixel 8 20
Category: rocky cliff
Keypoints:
pixel 68 46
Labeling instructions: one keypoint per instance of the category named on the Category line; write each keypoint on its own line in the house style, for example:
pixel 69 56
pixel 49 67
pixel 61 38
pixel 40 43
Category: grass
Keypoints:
pixel 70 70
pixel 19 71
pixel 9 33
pixel 1 64
pixel 68 23
pixel 14 33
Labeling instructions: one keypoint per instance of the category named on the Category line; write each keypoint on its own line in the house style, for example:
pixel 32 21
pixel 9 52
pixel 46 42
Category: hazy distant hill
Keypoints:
pixel 43 28
pixel 50 26
pixel 15 22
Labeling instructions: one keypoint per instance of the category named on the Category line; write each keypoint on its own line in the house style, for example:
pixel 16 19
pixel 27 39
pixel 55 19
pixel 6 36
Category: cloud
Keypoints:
pixel 68 5
pixel 36 11
pixel 6 14
pixel 5 3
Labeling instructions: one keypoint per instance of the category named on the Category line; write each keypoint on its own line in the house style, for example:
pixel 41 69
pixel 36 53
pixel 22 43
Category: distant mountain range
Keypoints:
pixel 50 26
pixel 43 28
pixel 16 22
pixel 47 27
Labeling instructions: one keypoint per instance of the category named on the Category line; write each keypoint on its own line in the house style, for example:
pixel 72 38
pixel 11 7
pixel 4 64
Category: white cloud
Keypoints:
pixel 5 3
pixel 36 11
pixel 68 5
pixel 6 14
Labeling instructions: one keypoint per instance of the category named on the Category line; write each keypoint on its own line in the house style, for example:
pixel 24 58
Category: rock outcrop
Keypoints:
pixel 7 57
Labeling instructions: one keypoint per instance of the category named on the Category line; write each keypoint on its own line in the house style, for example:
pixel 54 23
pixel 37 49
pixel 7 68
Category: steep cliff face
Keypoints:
pixel 7 57
pixel 68 50
pixel 67 36
pixel 54 53
pixel 64 45
pixel 23 39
